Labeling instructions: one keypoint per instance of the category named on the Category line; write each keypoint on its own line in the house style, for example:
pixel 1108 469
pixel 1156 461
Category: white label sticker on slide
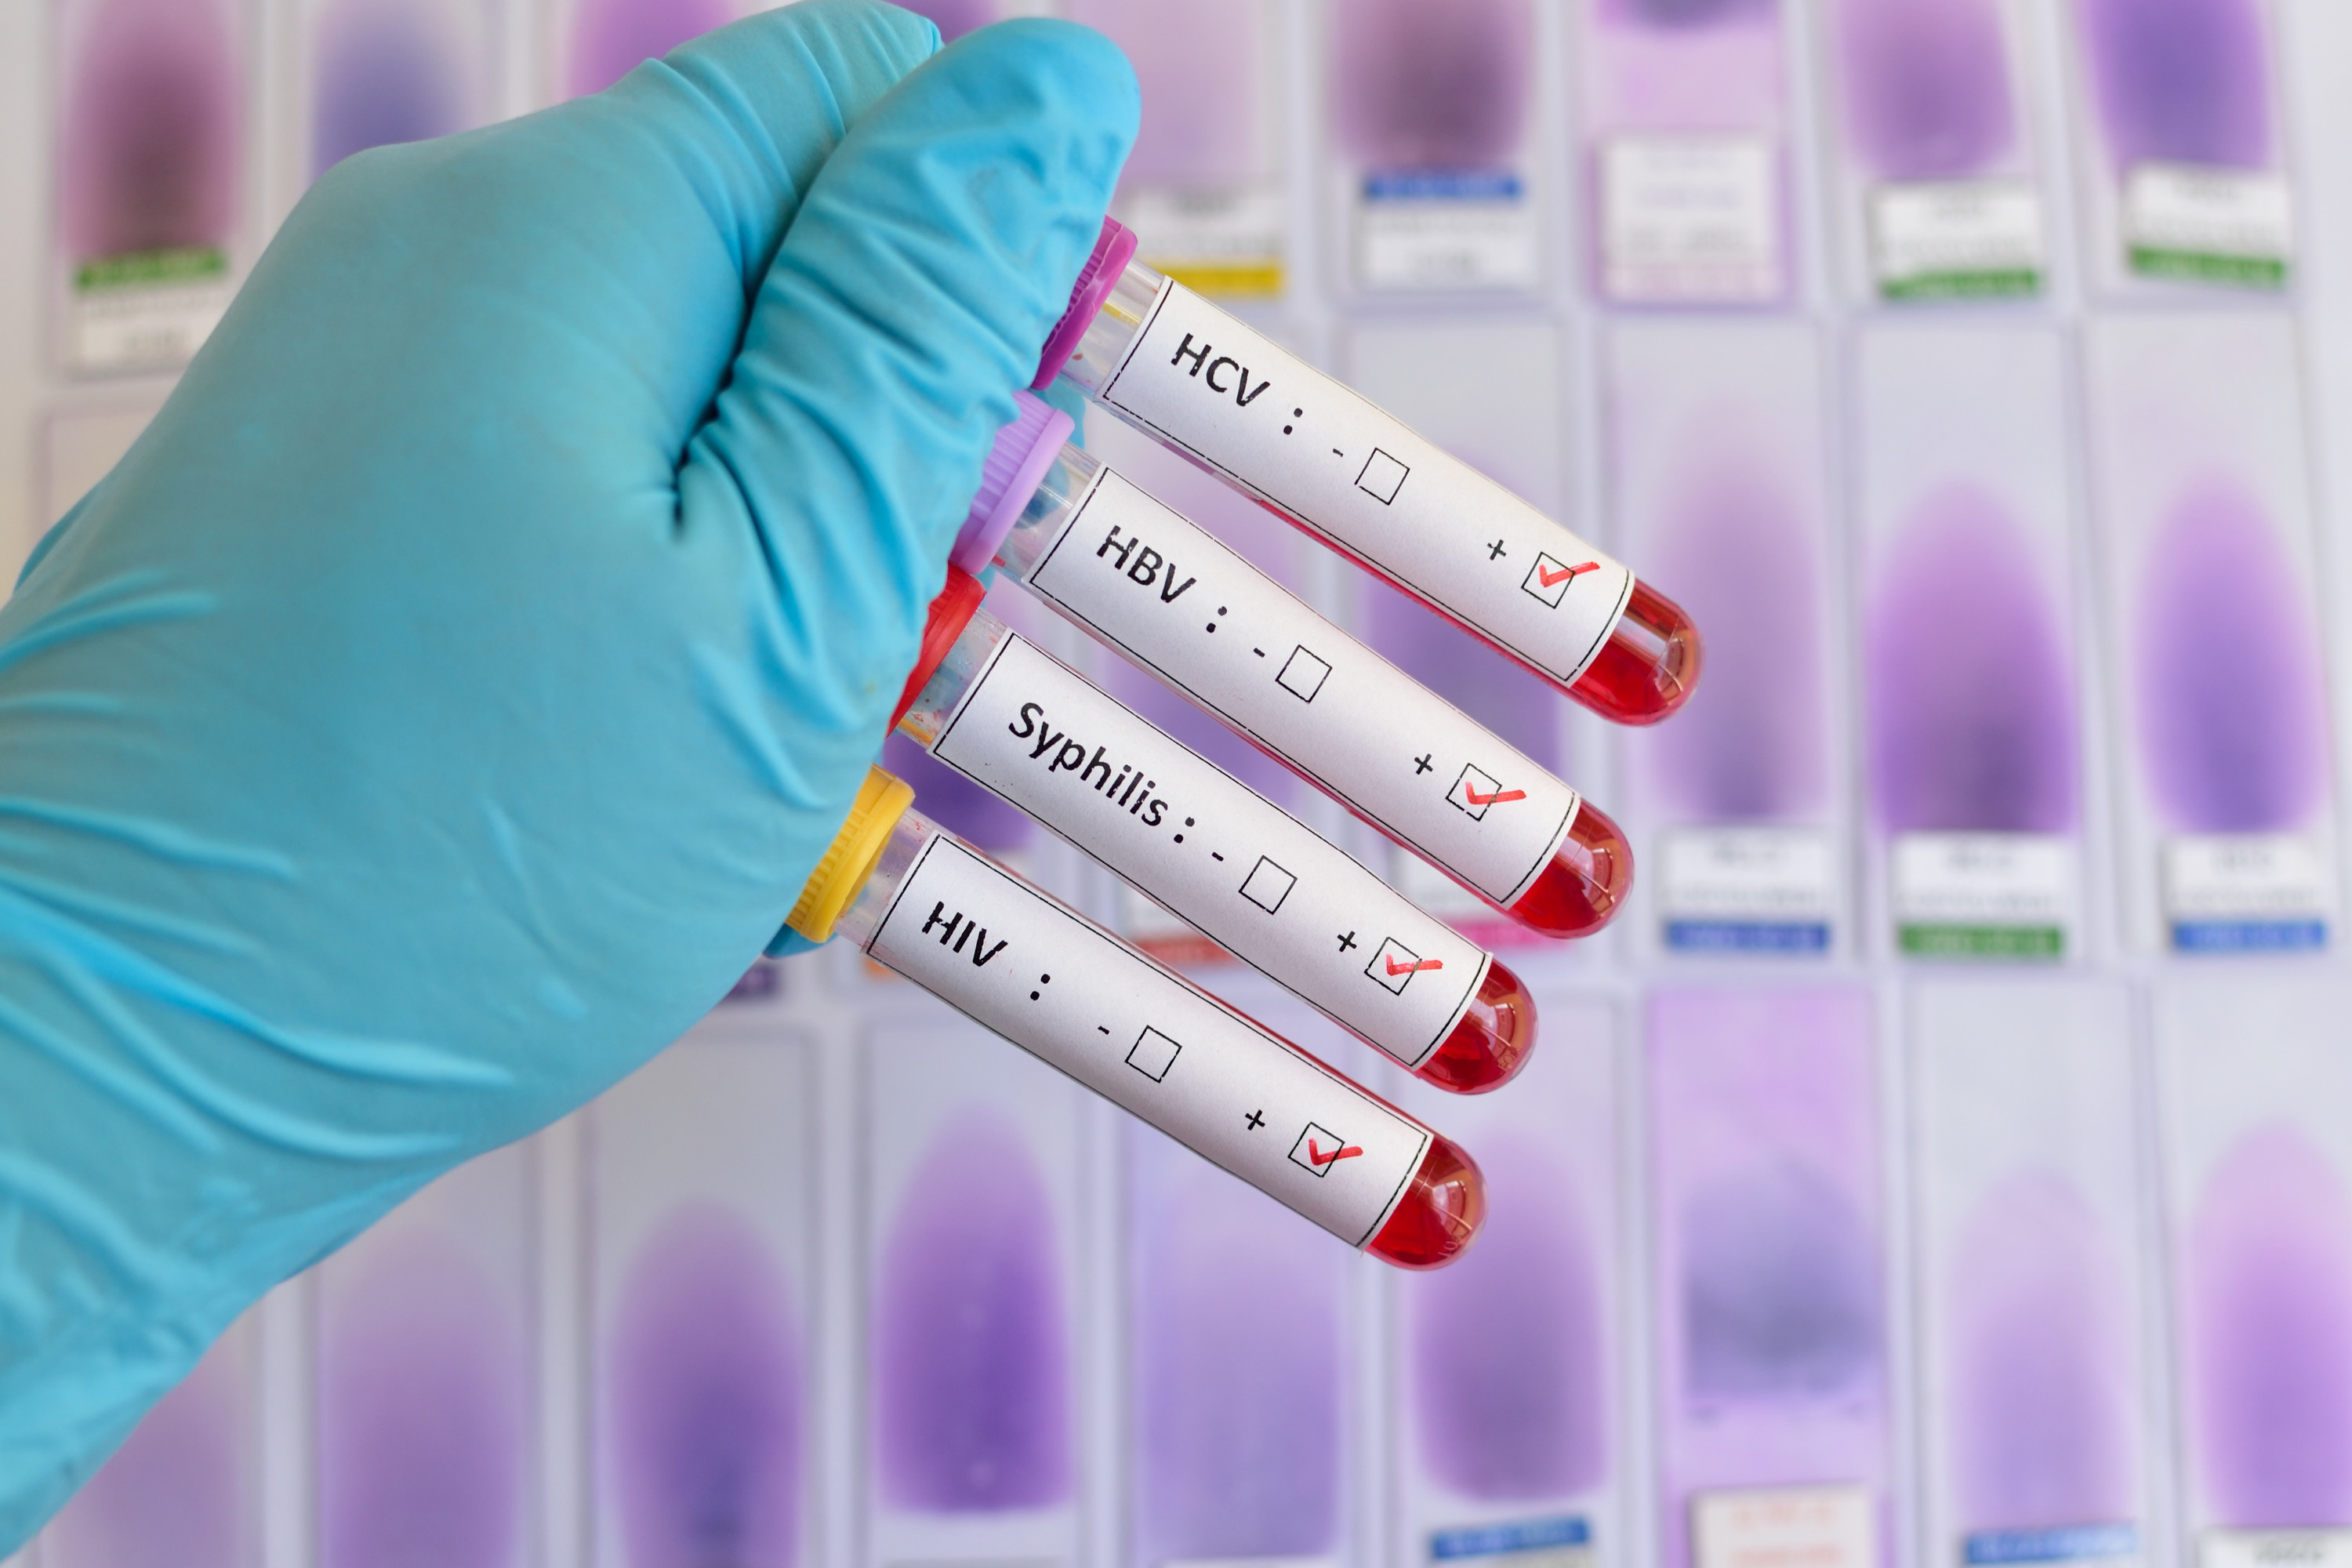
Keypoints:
pixel 2247 892
pixel 1784 1527
pixel 1248 874
pixel 1956 239
pixel 1315 451
pixel 2275 1548
pixel 1069 992
pixel 1694 218
pixel 1176 601
pixel 1446 229
pixel 2212 225
pixel 1983 895
pixel 1748 889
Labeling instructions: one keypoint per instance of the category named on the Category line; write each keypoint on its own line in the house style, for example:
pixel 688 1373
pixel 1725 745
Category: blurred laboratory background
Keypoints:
pixel 1945 1161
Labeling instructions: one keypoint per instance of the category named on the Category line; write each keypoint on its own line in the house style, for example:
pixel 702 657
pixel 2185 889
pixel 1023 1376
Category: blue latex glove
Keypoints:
pixel 445 698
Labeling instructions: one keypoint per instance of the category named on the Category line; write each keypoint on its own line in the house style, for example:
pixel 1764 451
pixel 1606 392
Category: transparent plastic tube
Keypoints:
pixel 1175 601
pixel 1302 445
pixel 938 913
pixel 1247 874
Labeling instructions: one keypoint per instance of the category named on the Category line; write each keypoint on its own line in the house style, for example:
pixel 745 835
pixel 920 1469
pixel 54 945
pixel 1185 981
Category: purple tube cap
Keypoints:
pixel 1009 477
pixel 1113 249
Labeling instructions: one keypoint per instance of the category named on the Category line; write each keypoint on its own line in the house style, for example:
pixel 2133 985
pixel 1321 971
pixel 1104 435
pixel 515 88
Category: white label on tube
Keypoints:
pixel 1248 874
pixel 1315 452
pixel 1446 229
pixel 2241 892
pixel 1168 595
pixel 1962 238
pixel 1072 994
pixel 2212 225
pixel 1983 895
pixel 1690 219
pixel 1784 1527
pixel 2275 1548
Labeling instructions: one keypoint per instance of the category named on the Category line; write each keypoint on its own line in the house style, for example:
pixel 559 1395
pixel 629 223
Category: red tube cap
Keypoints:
pixel 949 614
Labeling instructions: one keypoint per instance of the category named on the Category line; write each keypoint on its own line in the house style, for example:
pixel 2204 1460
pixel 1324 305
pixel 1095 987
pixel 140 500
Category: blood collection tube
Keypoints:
pixel 1176 601
pixel 1249 874
pixel 923 903
pixel 1309 450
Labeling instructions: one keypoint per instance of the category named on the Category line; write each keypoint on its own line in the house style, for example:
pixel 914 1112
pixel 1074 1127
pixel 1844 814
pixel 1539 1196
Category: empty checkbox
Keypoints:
pixel 1302 674
pixel 1267 885
pixel 1153 1055
pixel 1381 477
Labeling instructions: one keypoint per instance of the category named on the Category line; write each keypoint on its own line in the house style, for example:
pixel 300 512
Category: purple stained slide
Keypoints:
pixel 1671 16
pixel 153 144
pixel 1199 63
pixel 2180 81
pixel 1433 85
pixel 610 38
pixel 705 1439
pixel 976 813
pixel 1508 1391
pixel 2038 1364
pixel 423 1409
pixel 1969 686
pixel 383 72
pixel 1771 1326
pixel 1233 1293
pixel 971 1357
pixel 1751 747
pixel 177 1493
pixel 2268 1311
pixel 1926 86
pixel 2233 714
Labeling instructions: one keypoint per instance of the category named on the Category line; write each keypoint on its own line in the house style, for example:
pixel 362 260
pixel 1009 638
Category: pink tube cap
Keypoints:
pixel 1024 450
pixel 1113 249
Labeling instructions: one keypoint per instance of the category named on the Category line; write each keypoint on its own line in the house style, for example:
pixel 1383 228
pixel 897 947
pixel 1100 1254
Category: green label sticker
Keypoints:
pixel 1981 942
pixel 2007 283
pixel 152 268
pixel 2202 267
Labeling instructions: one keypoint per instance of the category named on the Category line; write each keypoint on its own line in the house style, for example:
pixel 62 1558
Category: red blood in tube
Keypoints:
pixel 1586 883
pixel 1491 1042
pixel 1441 1211
pixel 1648 666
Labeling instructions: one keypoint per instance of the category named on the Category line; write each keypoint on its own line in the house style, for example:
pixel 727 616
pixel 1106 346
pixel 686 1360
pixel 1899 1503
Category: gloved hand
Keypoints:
pixel 445 698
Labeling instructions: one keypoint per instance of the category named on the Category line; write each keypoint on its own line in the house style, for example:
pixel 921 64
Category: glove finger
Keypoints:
pixel 931 256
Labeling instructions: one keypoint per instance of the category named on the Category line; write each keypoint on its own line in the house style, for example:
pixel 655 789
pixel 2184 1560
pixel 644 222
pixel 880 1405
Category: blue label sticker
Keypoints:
pixel 2070 1544
pixel 2249 936
pixel 1747 936
pixel 1444 185
pixel 1501 1540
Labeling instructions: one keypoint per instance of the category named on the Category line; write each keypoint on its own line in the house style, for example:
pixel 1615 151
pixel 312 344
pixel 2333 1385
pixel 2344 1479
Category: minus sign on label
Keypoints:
pixel 1215 855
pixel 1099 1029
pixel 1337 453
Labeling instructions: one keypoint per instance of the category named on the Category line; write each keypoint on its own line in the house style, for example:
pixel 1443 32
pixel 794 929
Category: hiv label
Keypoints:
pixel 1178 603
pixel 1072 994
pixel 1249 874
pixel 1344 471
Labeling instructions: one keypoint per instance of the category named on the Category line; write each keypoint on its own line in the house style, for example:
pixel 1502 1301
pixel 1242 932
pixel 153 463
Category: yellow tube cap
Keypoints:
pixel 881 801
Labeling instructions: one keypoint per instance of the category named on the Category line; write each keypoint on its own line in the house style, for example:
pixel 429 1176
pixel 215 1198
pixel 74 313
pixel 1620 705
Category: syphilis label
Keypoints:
pixel 1246 872
pixel 1069 992
pixel 1315 452
pixel 1176 601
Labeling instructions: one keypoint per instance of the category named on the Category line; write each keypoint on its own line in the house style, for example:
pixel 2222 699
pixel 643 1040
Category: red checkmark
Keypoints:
pixel 1316 1155
pixel 1547 577
pixel 1416 966
pixel 1497 799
